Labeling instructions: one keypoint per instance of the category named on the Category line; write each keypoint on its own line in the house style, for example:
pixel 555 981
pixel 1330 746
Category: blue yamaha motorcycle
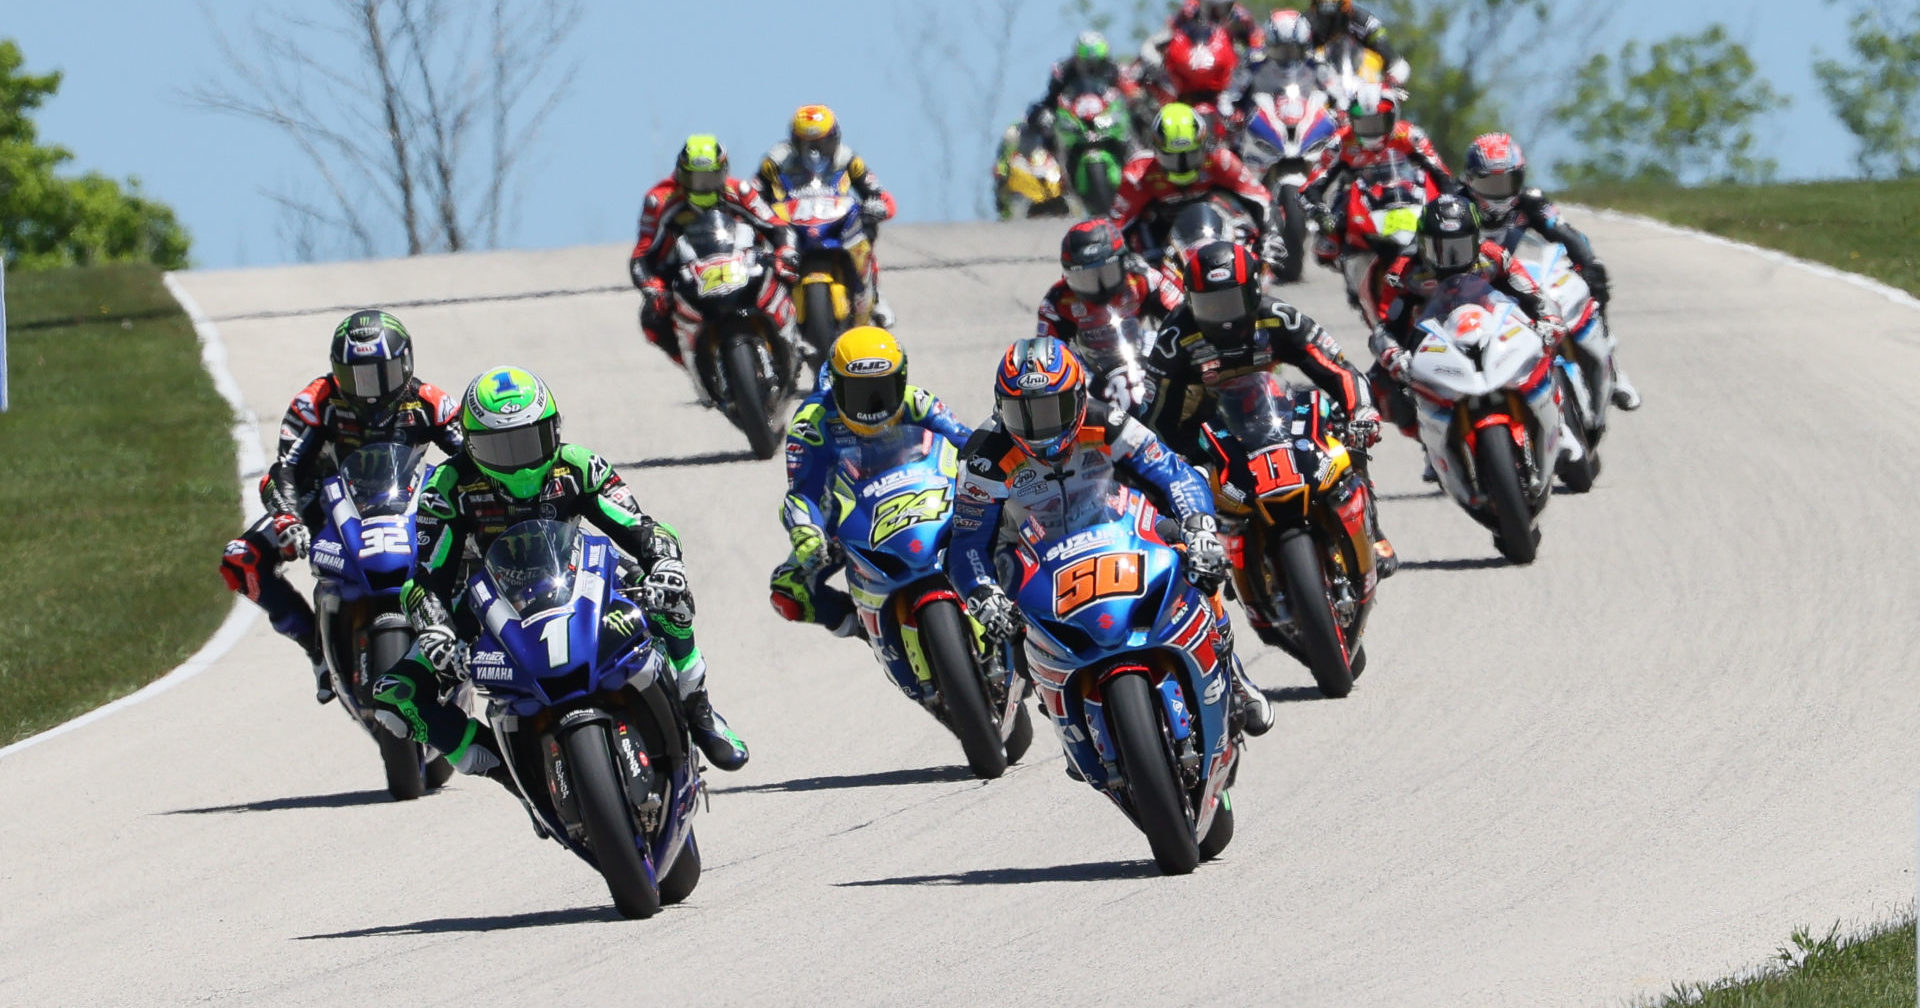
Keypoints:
pixel 360 557
pixel 586 711
pixel 895 508
pixel 1128 659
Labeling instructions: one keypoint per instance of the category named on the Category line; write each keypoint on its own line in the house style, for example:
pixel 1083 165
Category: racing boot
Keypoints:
pixel 882 313
pixel 1256 713
pixel 322 683
pixel 1625 396
pixel 1570 446
pixel 724 749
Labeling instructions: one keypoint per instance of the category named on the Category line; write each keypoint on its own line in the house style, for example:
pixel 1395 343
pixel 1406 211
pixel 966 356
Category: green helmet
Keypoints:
pixel 513 429
pixel 1090 52
pixel 1179 142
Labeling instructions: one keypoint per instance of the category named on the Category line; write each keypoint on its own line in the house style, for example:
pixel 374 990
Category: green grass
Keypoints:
pixel 117 493
pixel 1871 970
pixel 1871 228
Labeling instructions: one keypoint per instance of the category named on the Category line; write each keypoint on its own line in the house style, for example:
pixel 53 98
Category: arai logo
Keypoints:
pixel 1033 380
pixel 869 366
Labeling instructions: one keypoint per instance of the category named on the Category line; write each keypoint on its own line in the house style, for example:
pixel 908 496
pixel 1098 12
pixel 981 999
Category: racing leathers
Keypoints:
pixel 1242 27
pixel 1343 159
pixel 1149 296
pixel 320 429
pixel 1148 201
pixel 461 512
pixel 663 214
pixel 1361 25
pixel 1066 74
pixel 783 163
pixel 816 442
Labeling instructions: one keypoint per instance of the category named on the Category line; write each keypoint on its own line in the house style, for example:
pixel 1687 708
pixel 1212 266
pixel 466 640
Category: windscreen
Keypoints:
pixel 1080 505
pixel 898 445
pixel 1455 291
pixel 533 565
pixel 379 477
pixel 1255 409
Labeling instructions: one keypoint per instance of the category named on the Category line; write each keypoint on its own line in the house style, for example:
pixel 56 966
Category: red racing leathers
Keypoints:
pixel 1345 157
pixel 1149 296
pixel 1148 199
pixel 665 210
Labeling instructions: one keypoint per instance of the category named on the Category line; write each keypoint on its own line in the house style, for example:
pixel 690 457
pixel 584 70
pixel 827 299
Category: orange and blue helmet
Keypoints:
pixel 1040 396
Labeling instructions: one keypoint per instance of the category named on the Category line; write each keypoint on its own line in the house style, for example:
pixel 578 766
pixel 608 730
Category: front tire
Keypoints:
pixel 1303 572
pixel 1099 194
pixel 820 328
pixel 402 758
pixel 603 810
pixel 1152 789
pixel 956 672
pixel 749 400
pixel 1293 233
pixel 1494 456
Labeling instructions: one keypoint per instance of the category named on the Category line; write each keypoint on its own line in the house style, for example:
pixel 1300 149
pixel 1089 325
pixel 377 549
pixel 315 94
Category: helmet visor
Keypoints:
pixel 1094 281
pixel 377 379
pixel 1504 185
pixel 1287 52
pixel 869 399
pixel 508 451
pixel 1373 127
pixel 1182 163
pixel 1227 305
pixel 1041 418
pixel 708 181
pixel 1450 252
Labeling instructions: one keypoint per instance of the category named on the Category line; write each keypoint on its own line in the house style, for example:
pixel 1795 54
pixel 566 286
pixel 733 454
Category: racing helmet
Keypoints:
pixel 1448 235
pixel 512 426
pixel 1217 10
pixel 1179 143
pixel 1328 17
pixel 1289 37
pixel 1091 54
pixel 372 358
pixel 1496 171
pixel 701 170
pixel 1223 290
pixel 1094 258
pixel 1372 114
pixel 869 379
pixel 1040 397
pixel 815 134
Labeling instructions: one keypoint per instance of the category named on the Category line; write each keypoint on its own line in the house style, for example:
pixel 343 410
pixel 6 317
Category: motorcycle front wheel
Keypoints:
pixel 603 810
pixel 1147 760
pixel 1304 573
pixel 403 758
pixel 1293 232
pixel 820 328
pixel 956 672
pixel 1495 457
pixel 749 400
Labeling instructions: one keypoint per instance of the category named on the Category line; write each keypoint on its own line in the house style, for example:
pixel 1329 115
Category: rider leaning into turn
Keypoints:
pixel 370 397
pixel 515 468
pixel 1101 282
pixel 1184 165
pixel 699 183
pixel 868 397
pixel 1230 328
pixel 813 145
pixel 1048 438
pixel 1331 19
pixel 1495 179
pixel 1372 135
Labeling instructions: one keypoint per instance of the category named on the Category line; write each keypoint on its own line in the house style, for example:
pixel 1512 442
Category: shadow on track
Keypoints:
pixel 1091 871
pixel 1293 694
pixel 1457 564
pixel 345 799
pixel 1434 494
pixel 504 922
pixel 683 461
pixel 883 778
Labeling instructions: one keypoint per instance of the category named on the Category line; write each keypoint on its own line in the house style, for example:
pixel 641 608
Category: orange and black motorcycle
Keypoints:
pixel 1294 512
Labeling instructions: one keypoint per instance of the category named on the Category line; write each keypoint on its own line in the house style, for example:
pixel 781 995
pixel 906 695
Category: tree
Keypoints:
pixel 434 95
pixel 47 221
pixel 942 73
pixel 1680 111
pixel 1876 92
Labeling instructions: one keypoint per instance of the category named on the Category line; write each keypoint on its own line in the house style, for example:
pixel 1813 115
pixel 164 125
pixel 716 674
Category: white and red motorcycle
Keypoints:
pixel 1290 125
pixel 1586 359
pixel 1485 390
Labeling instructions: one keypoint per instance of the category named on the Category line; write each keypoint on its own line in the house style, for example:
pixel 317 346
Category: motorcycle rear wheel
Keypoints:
pixel 603 810
pixel 1152 789
pixel 402 758
pixel 1495 457
pixel 956 672
pixel 1301 567
pixel 749 401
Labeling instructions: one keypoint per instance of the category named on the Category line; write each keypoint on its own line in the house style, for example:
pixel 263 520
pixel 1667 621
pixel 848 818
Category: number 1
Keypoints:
pixel 555 634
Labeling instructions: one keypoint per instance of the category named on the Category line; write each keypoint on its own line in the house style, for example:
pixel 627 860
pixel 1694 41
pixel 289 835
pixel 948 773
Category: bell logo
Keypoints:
pixel 1219 273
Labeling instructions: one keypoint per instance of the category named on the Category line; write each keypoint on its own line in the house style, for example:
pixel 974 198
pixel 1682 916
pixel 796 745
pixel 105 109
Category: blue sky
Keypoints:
pixel 652 72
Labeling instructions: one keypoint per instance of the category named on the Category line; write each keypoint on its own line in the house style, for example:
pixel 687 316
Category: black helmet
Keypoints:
pixel 1449 235
pixel 1093 256
pixel 1223 289
pixel 372 359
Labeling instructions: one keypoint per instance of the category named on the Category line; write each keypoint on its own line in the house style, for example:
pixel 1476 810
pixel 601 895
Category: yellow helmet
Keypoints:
pixel 816 132
pixel 869 379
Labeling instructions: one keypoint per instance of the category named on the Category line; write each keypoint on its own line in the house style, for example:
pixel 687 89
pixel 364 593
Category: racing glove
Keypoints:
pixel 1364 425
pixel 443 649
pixel 995 612
pixel 873 210
pixel 786 265
pixel 1324 222
pixel 1273 250
pixel 1399 72
pixel 291 535
pixel 1206 557
pixel 664 592
pixel 1126 388
pixel 810 550
pixel 1397 363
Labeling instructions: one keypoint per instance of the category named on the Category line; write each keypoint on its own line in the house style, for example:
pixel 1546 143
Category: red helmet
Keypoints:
pixel 1496 171
pixel 1040 396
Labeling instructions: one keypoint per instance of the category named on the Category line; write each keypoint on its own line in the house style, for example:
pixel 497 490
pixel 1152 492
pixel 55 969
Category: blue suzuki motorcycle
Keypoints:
pixel 1127 658
pixel 895 508
pixel 360 557
pixel 586 711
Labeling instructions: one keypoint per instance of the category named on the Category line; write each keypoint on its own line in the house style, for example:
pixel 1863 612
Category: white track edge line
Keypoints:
pixel 250 462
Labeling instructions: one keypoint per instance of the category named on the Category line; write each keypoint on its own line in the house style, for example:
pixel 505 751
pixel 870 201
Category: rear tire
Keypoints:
pixel 680 882
pixel 603 810
pixel 1220 831
pixel 820 328
pixel 406 777
pixel 1302 570
pixel 749 400
pixel 1494 457
pixel 1152 788
pixel 956 672
pixel 1293 233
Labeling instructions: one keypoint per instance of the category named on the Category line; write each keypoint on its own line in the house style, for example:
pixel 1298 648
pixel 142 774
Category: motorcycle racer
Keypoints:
pixel 1373 134
pixel 1102 281
pixel 1241 26
pixel 867 396
pixel 1331 19
pixel 1091 63
pixel 369 396
pixel 1289 46
pixel 515 468
pixel 699 182
pixel 1185 164
pixel 1495 179
pixel 1229 328
pixel 813 144
pixel 1046 437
